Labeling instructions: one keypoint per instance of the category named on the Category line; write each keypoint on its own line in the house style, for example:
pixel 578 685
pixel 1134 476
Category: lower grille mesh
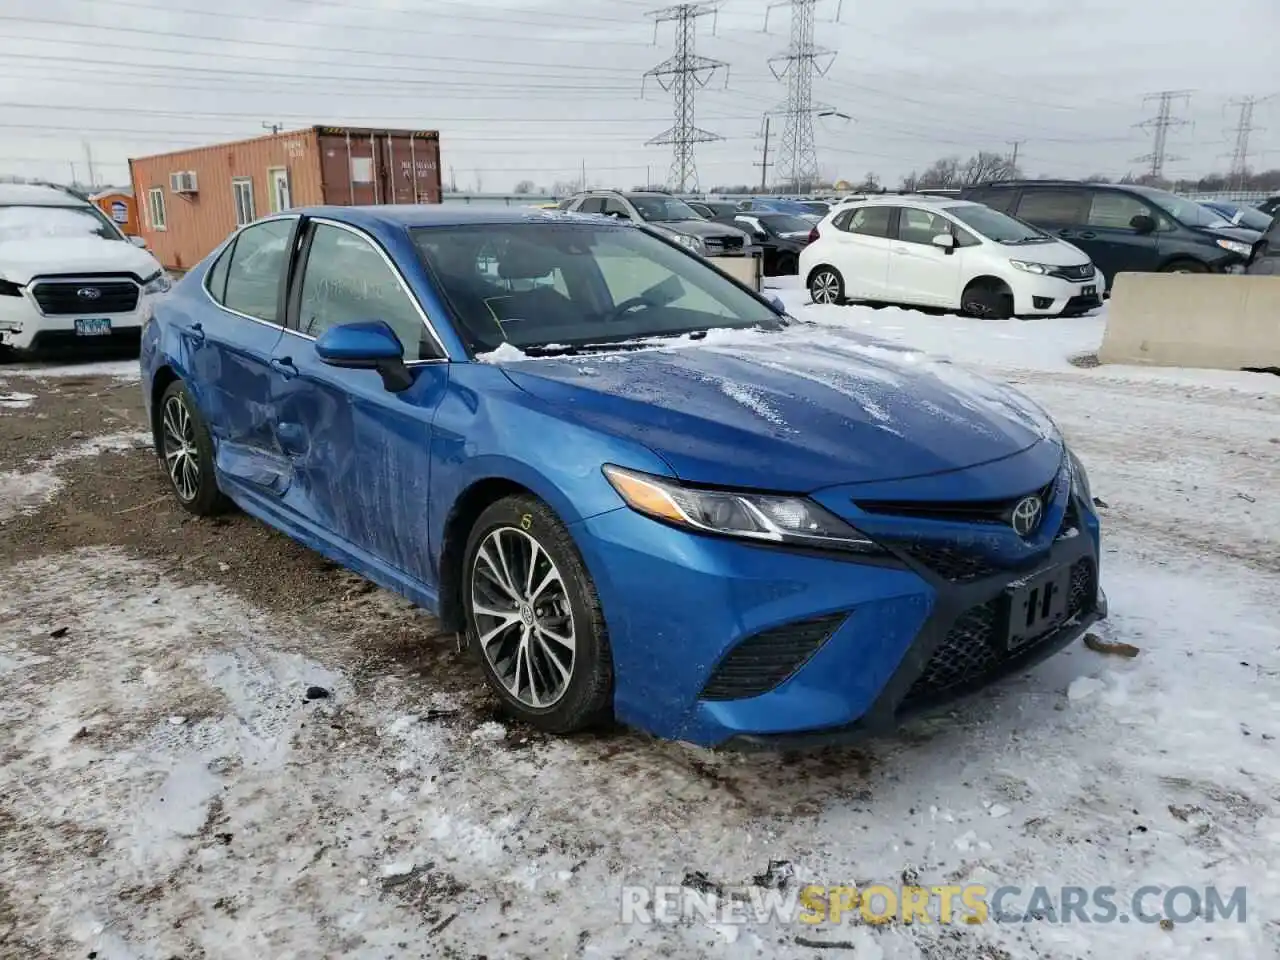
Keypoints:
pixel 761 662
pixel 971 651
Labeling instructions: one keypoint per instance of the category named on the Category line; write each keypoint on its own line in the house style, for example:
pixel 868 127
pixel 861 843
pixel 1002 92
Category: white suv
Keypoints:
pixel 951 254
pixel 68 276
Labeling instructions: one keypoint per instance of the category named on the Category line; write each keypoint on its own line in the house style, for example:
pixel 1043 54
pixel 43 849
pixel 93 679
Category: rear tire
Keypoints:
pixel 533 618
pixel 786 266
pixel 185 449
pixel 1184 266
pixel 988 300
pixel 826 286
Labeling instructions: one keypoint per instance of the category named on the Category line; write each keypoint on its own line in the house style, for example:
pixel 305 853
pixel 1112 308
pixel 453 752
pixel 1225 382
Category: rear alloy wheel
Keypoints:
pixel 826 286
pixel 186 452
pixel 534 619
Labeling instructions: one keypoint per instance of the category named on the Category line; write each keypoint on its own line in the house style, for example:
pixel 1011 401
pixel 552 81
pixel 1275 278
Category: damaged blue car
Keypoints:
pixel 639 489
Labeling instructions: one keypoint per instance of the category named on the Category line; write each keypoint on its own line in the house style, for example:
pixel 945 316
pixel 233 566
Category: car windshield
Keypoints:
pixel 1242 216
pixel 53 223
pixel 663 209
pixel 784 223
pixel 1186 212
pixel 794 207
pixel 551 287
pixel 997 226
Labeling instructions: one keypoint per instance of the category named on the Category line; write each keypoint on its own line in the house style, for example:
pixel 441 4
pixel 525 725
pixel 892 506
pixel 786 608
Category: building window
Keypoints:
pixel 242 190
pixel 155 208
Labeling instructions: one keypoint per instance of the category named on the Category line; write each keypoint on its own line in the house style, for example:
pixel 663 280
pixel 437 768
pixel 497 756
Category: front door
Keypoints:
pixel 234 343
pixel 1110 239
pixel 279 185
pixel 919 271
pixel 359 455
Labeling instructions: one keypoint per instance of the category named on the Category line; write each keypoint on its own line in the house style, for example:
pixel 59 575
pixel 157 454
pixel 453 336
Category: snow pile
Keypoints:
pixel 10 400
pixel 505 353
pixel 23 491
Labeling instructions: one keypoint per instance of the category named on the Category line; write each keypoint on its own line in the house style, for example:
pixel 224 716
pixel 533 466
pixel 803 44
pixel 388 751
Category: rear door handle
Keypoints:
pixel 197 332
pixel 1088 235
pixel 284 366
pixel 900 250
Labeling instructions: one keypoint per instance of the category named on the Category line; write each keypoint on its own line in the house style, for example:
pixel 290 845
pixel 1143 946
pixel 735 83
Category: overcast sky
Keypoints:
pixel 536 88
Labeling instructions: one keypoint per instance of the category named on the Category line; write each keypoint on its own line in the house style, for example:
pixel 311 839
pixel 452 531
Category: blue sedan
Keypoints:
pixel 637 488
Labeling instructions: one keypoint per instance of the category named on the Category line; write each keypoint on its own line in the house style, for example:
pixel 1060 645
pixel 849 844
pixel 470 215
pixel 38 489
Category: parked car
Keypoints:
pixel 68 276
pixel 666 215
pixel 781 205
pixel 1239 215
pixel 1125 228
pixel 713 209
pixel 1265 261
pixel 779 236
pixel 1271 205
pixel 511 419
pixel 951 254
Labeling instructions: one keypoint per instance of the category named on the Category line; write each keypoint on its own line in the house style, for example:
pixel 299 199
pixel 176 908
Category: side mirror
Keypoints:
pixel 777 304
pixel 138 242
pixel 946 241
pixel 366 345
pixel 1143 223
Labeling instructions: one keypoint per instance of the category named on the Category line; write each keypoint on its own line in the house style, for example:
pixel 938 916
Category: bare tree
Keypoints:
pixel 941 173
pixel 524 186
pixel 985 167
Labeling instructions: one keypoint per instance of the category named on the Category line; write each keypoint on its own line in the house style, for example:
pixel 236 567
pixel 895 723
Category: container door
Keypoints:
pixel 279 186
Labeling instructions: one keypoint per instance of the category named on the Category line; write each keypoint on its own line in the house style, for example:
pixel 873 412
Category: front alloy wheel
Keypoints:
pixel 186 452
pixel 524 621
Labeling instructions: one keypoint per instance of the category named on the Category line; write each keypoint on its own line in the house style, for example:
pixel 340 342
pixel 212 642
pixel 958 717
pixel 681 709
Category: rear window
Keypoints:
pixel 1054 206
pixel 997 199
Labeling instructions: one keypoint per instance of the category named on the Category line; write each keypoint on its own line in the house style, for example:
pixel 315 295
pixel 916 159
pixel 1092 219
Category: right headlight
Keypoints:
pixel 1079 479
pixel 1026 266
pixel 798 521
pixel 692 243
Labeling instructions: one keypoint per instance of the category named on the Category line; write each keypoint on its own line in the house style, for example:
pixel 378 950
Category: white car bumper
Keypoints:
pixel 54 315
pixel 1050 296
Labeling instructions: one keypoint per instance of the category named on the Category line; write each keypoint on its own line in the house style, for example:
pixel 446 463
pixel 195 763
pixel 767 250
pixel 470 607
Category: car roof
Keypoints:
pixel 907 200
pixel 37 195
pixel 438 215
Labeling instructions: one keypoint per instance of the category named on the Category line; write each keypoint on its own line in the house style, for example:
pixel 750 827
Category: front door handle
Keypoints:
pixel 900 250
pixel 197 332
pixel 284 366
pixel 1088 235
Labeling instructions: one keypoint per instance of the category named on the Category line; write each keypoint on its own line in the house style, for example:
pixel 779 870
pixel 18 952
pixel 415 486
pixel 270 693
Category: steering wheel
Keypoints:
pixel 626 306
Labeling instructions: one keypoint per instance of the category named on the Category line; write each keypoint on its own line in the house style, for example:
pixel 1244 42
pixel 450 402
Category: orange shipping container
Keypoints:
pixel 121 209
pixel 190 200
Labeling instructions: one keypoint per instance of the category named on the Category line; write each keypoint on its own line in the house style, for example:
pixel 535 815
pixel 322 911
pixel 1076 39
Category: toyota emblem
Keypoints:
pixel 88 293
pixel 1026 516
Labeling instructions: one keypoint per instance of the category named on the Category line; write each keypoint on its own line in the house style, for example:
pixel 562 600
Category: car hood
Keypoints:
pixel 1243 234
pixel 795 410
pixel 1059 253
pixel 23 260
pixel 697 228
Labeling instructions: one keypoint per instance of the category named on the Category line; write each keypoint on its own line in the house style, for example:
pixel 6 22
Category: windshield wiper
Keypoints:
pixel 638 342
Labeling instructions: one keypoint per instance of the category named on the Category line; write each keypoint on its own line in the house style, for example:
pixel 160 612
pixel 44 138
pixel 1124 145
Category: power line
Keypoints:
pixel 797 67
pixel 683 74
pixel 1161 123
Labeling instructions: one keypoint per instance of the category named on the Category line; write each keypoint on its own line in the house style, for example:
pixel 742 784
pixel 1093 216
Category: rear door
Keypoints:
pixel 358 455
pixel 861 242
pixel 1110 238
pixel 920 272
pixel 233 350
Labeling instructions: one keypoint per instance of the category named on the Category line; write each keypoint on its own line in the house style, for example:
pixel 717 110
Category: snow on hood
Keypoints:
pixel 799 409
pixel 22 260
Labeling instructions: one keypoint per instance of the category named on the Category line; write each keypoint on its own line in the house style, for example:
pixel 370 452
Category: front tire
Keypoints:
pixel 1184 266
pixel 533 618
pixel 826 286
pixel 185 449
pixel 987 300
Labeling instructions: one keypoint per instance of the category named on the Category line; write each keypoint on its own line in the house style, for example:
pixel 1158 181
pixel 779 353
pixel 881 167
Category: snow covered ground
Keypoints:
pixel 167 791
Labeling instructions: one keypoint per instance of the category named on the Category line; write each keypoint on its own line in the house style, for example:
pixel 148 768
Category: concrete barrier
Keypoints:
pixel 1224 322
pixel 746 270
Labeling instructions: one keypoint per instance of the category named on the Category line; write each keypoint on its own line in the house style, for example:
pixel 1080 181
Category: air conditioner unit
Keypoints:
pixel 183 182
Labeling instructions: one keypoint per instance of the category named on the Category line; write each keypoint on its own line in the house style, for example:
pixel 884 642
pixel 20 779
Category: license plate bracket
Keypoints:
pixel 1035 607
pixel 1090 291
pixel 93 327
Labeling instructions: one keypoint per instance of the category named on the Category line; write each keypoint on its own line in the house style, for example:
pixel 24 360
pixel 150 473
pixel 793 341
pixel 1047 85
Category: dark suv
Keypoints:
pixel 665 215
pixel 1123 228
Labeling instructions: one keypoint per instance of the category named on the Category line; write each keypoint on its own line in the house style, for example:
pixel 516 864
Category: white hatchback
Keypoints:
pixel 950 254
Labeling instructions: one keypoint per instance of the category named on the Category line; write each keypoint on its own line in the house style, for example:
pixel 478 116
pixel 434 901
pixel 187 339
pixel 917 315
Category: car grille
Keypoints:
pixel 971 653
pixel 62 297
pixel 1082 304
pixel 957 511
pixel 1083 271
pixel 720 246
pixel 948 561
pixel 761 662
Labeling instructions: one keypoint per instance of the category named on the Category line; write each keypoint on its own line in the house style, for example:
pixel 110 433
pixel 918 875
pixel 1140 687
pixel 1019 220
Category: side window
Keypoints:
pixel 996 199
pixel 841 220
pixel 345 280
pixel 217 278
pixel 1069 207
pixel 592 205
pixel 921 226
pixel 963 237
pixel 615 206
pixel 871 221
pixel 1114 210
pixel 256 267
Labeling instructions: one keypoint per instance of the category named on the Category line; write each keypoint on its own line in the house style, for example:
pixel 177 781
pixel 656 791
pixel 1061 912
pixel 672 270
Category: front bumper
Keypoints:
pixel 24 328
pixel 681 610
pixel 1053 297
